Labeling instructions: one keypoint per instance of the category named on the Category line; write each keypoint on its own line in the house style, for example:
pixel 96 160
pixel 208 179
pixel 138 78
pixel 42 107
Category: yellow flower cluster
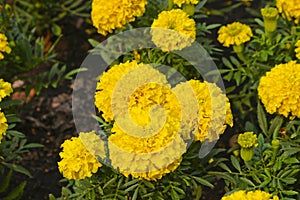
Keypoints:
pixel 251 195
pixel 4 48
pixel 3 125
pixel 234 34
pixel 289 9
pixel 214 109
pixel 247 140
pixel 108 82
pixel 173 30
pixel 77 162
pixel 151 127
pixel 180 2
pixel 284 96
pixel 113 14
pixel 5 89
pixel 297 49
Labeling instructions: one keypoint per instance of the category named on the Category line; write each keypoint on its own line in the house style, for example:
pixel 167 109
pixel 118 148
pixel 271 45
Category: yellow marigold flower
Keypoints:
pixel 213 106
pixel 77 162
pixel 108 82
pixel 4 48
pixel 156 151
pixel 289 9
pixel 252 195
pixel 234 34
pixel 180 2
pixel 110 15
pixel 297 49
pixel 284 96
pixel 181 33
pixel 247 140
pixel 3 125
pixel 5 89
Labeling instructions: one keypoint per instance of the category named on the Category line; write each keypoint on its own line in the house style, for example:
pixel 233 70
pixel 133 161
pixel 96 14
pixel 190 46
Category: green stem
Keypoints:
pixel 170 4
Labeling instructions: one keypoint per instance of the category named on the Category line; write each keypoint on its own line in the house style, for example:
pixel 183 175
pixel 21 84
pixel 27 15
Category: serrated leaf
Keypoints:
pixel 6 181
pixel 203 182
pixel 16 192
pixel 262 120
pixel 135 194
pixel 247 181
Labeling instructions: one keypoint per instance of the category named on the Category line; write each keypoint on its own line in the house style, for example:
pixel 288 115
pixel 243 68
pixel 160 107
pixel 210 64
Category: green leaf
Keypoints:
pixel 289 192
pixel 111 181
pixel 16 192
pixel 5 182
pixel 33 145
pixel 247 181
pixel 275 125
pixel 18 168
pixel 135 194
pixel 131 187
pixel 262 120
pixel 174 195
pixel 235 163
pixel 56 30
pixel 134 181
pixel 203 182
pixel 52 197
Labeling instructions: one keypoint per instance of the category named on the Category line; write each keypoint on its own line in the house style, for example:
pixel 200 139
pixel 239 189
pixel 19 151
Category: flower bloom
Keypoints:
pixel 4 48
pixel 158 149
pixel 109 80
pixel 255 195
pixel 289 9
pixel 234 34
pixel 247 140
pixel 213 109
pixel 297 49
pixel 180 2
pixel 5 89
pixel 110 15
pixel 3 125
pixel 181 33
pixel 284 96
pixel 77 162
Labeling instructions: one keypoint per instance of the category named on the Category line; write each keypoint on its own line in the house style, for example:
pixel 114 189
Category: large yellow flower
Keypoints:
pixel 3 125
pixel 279 90
pixel 4 48
pixel 289 9
pixel 5 89
pixel 156 150
pixel 214 109
pixel 234 34
pixel 252 195
pixel 77 162
pixel 110 15
pixel 173 30
pixel 109 80
pixel 180 2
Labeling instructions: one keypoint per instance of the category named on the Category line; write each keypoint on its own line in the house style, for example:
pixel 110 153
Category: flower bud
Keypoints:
pixel 247 154
pixel 270 16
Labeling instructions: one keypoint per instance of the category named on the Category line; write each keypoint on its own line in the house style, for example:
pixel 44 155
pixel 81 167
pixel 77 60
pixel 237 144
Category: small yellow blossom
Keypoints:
pixel 3 125
pixel 5 89
pixel 113 14
pixel 251 195
pixel 297 49
pixel 4 48
pixel 234 34
pixel 289 9
pixel 279 90
pixel 173 30
pixel 247 140
pixel 77 162
pixel 180 2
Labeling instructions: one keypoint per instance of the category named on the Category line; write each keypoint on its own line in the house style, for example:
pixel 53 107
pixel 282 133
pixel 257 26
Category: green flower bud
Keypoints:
pixel 247 154
pixel 189 9
pixel 270 16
